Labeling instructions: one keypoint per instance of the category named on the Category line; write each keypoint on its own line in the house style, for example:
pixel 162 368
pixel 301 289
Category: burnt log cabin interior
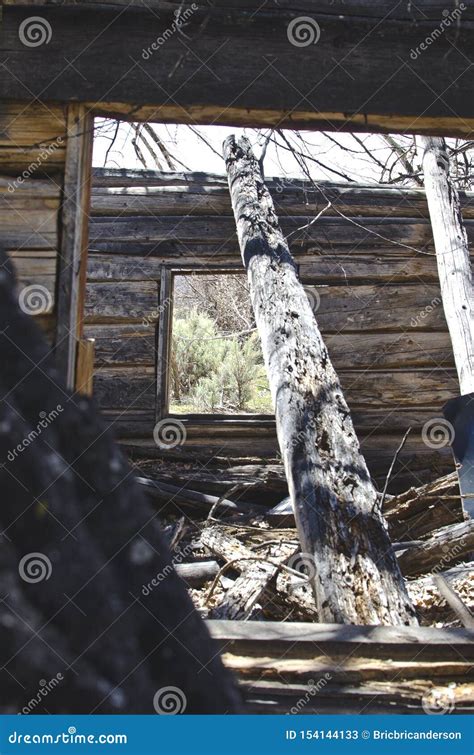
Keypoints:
pixel 105 245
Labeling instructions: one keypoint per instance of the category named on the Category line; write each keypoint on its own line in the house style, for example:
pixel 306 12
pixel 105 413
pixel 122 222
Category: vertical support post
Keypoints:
pixel 452 257
pixel 165 310
pixel 73 240
pixel 457 293
pixel 85 366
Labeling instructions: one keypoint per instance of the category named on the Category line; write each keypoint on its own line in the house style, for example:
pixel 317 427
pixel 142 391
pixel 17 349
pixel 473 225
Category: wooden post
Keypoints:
pixel 452 256
pixel 355 575
pixel 74 240
pixel 85 366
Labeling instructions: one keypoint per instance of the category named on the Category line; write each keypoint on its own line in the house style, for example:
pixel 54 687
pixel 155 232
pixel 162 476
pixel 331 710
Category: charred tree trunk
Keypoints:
pixel 341 530
pixel 452 255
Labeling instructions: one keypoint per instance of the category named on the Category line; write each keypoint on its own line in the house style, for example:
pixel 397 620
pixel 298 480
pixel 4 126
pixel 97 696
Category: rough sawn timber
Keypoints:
pixel 357 578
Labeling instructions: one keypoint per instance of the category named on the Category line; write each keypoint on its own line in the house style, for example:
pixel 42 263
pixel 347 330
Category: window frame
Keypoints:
pixel 163 350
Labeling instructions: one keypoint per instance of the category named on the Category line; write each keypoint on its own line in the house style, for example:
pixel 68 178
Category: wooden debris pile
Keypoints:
pixel 240 556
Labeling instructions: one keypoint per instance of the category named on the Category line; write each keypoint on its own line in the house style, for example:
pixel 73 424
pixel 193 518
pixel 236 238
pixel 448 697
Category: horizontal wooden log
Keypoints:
pixel 380 267
pixel 135 344
pixel 302 640
pixel 373 389
pixel 250 94
pixel 124 389
pixel 135 192
pixel 128 301
pixel 123 344
pixel 32 139
pixel 443 548
pixel 423 10
pixel 408 308
pixel 197 573
pixel 336 231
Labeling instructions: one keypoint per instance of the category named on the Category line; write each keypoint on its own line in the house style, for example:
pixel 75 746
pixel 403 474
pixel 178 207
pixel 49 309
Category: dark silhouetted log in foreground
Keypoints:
pixel 88 589
pixel 342 533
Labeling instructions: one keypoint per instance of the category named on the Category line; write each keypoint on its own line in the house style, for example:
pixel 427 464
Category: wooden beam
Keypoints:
pixel 74 240
pixel 339 525
pixel 125 65
pixel 85 366
pixel 452 255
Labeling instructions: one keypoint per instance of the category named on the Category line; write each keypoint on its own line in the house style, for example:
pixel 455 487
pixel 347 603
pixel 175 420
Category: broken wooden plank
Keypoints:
pixel 229 548
pixel 338 522
pixel 443 548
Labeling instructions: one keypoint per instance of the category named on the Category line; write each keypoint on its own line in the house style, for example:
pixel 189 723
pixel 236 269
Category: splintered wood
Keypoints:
pixel 247 565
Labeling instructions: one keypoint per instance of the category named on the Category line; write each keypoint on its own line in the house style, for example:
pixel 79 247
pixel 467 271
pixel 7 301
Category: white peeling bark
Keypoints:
pixel 452 255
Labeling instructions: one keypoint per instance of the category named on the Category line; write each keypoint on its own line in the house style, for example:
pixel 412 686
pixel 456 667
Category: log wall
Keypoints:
pixel 368 262
pixel 32 159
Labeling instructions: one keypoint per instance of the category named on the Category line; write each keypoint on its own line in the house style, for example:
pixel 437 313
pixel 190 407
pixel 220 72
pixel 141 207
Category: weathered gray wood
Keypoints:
pixel 170 495
pixel 198 573
pixel 421 510
pixel 452 255
pixel 339 525
pixel 74 245
pixel 329 231
pixel 388 640
pixel 253 93
pixel 254 576
pixel 444 547
pixel 129 301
